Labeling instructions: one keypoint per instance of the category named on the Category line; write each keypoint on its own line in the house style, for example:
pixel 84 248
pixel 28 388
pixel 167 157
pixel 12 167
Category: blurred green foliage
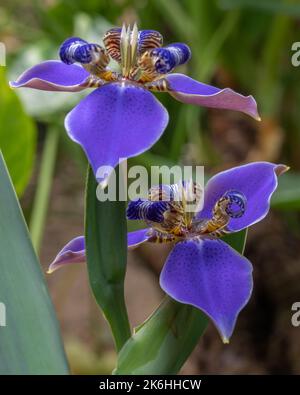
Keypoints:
pixel 17 136
pixel 244 44
pixel 247 42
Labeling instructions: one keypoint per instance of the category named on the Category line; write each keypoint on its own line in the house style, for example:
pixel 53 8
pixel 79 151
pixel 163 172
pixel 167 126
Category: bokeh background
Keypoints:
pixel 242 44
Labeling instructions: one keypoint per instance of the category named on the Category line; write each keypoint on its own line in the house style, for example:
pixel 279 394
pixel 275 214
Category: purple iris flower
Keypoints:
pixel 201 270
pixel 121 118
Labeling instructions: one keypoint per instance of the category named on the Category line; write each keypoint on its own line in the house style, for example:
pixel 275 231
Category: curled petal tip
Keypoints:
pixel 190 91
pixel 54 266
pixel 248 107
pixel 57 264
pixel 251 108
pixel 73 252
pixel 280 169
pixel 255 114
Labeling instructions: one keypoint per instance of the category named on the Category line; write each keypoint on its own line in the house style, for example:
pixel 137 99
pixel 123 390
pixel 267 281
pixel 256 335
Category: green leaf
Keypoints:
pixel 30 342
pixel 17 136
pixel 237 240
pixel 162 344
pixel 106 248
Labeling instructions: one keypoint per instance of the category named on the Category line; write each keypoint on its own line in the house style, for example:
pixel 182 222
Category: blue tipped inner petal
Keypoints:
pixel 146 210
pixel 171 56
pixel 84 53
pixel 68 49
pixel 237 204
pixel 75 49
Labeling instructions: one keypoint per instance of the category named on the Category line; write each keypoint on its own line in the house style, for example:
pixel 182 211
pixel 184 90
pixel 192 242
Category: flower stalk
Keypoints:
pixel 162 344
pixel 41 200
pixel 106 249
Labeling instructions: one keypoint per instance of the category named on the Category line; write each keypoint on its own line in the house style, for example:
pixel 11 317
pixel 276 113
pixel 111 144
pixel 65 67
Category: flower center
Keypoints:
pixel 167 213
pixel 128 49
pixel 231 205
pixel 140 56
pixel 168 209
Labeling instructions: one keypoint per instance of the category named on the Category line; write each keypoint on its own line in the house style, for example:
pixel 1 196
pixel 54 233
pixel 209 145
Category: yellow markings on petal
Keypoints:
pixel 159 85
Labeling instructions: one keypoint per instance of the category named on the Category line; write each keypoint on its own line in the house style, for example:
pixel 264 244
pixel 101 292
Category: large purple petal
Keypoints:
pixel 211 276
pixel 257 181
pixel 53 75
pixel 190 91
pixel 73 252
pixel 119 120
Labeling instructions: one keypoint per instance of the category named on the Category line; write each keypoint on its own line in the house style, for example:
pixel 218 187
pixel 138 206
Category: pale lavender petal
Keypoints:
pixel 73 252
pixel 53 75
pixel 119 120
pixel 211 276
pixel 134 239
pixel 256 181
pixel 190 91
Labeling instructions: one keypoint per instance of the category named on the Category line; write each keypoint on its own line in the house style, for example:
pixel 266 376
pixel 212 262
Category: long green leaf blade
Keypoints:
pixel 30 342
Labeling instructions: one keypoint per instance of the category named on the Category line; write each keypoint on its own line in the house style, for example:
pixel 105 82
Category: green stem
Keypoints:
pixel 106 249
pixel 116 314
pixel 41 200
pixel 168 336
